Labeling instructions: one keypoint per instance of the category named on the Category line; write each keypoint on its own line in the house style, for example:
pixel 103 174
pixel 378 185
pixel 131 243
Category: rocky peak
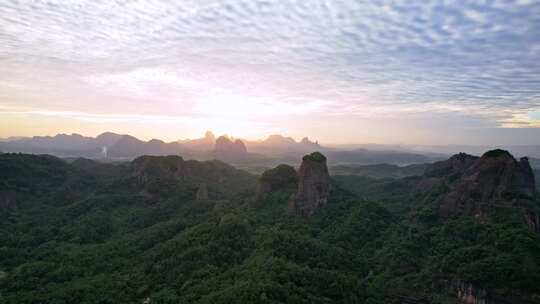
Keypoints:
pixel 306 141
pixel 107 139
pixel 282 176
pixel 496 179
pixel 277 139
pixel 313 185
pixel 456 164
pixel 209 137
pixel 226 148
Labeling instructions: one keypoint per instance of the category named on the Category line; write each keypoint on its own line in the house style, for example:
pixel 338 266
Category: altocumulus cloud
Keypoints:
pixel 354 58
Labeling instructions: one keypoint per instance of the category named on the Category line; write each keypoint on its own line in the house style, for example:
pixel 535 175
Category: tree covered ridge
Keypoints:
pixel 94 233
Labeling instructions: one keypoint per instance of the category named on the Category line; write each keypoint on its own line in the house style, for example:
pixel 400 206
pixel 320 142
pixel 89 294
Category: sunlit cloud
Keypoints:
pixel 264 61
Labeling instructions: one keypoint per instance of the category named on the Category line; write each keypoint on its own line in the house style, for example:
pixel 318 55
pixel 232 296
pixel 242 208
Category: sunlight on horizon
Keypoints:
pixel 340 72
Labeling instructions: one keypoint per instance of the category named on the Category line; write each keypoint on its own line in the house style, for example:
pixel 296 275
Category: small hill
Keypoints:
pixel 282 176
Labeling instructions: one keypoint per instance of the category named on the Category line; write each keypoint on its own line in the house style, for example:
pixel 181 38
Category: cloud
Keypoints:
pixel 247 58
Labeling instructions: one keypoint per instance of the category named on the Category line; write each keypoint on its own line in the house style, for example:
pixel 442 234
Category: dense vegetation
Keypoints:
pixel 92 233
pixel 379 170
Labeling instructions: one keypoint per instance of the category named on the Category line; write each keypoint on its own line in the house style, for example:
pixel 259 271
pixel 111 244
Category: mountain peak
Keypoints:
pixel 209 136
pixel 315 157
pixel 306 141
pixel 478 186
pixel 498 153
pixel 313 185
pixel 225 148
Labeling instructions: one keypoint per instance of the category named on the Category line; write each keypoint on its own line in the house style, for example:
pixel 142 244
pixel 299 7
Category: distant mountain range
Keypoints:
pixel 439 150
pixel 106 145
pixel 112 146
pixel 263 153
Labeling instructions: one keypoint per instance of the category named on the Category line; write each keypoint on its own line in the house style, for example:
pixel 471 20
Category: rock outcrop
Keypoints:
pixel 452 167
pixel 496 179
pixel 282 176
pixel 479 185
pixel 532 219
pixel 313 185
pixel 307 142
pixel 227 149
pixel 469 294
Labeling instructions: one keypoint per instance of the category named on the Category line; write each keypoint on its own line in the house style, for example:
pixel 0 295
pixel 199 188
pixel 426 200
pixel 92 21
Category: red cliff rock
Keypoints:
pixel 477 186
pixel 313 185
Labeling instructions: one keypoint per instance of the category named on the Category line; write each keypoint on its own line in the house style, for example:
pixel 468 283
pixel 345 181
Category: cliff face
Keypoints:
pixel 313 185
pixel 476 186
pixel 469 294
pixel 282 176
pixel 455 165
pixel 496 179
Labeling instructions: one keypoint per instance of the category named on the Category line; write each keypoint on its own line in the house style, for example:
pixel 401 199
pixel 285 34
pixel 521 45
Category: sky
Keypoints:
pixel 409 72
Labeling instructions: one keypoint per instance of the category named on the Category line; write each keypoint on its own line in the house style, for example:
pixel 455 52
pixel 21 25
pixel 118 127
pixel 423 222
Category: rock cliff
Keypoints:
pixel 479 185
pixel 496 179
pixel 313 185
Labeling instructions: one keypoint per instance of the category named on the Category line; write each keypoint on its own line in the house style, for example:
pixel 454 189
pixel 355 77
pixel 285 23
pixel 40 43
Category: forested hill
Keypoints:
pixel 169 230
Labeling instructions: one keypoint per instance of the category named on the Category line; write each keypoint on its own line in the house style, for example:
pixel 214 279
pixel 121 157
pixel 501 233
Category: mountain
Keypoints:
pixel 143 231
pixel 107 139
pixel 12 138
pixel 130 147
pixel 276 145
pixel 282 176
pixel 313 185
pixel 228 149
pixel 518 150
pixel 274 150
pixel 106 145
pixel 201 144
pixel 479 186
pixel 61 144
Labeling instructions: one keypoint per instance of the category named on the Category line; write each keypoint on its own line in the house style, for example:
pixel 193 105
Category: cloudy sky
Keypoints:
pixel 441 72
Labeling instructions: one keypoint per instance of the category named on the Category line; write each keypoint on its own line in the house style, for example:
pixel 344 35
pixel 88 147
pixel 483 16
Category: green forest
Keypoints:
pixel 89 232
